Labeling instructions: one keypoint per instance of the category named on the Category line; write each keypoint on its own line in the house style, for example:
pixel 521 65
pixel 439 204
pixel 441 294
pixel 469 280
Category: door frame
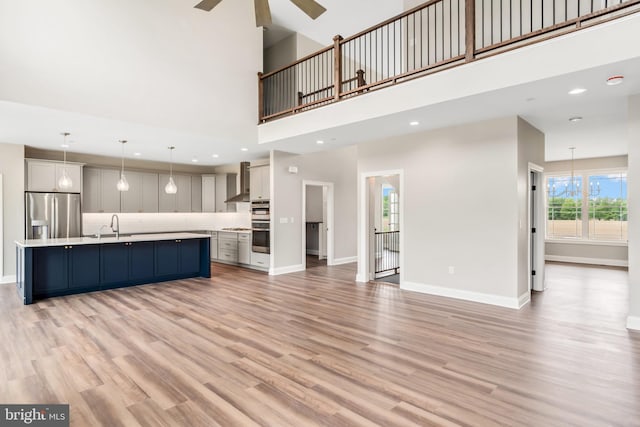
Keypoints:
pixel 364 226
pixel 329 225
pixel 539 283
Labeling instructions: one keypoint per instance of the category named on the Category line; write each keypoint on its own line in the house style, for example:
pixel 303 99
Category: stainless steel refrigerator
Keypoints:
pixel 52 215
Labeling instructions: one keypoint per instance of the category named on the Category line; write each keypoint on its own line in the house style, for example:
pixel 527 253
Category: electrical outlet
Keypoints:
pixel 452 269
pixel 284 220
pixel 291 220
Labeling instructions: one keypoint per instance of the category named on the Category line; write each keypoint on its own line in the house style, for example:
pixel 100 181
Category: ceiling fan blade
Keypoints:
pixel 310 7
pixel 263 13
pixel 207 5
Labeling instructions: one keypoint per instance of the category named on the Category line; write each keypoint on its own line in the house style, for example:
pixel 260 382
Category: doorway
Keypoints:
pixel 380 255
pixel 536 218
pixel 317 224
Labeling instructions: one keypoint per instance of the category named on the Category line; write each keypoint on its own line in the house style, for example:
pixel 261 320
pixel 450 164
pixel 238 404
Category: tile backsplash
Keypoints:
pixel 165 222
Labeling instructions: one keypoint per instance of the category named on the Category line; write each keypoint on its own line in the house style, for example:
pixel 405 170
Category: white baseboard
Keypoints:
pixel 286 270
pixel 524 299
pixel 463 295
pixel 361 278
pixel 346 260
pixel 8 279
pixel 313 252
pixel 593 261
pixel 633 322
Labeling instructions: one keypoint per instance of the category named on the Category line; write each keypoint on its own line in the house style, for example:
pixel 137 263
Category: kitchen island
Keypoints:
pixel 55 267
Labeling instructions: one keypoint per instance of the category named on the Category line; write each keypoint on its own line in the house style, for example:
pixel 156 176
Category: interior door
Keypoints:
pixel 322 250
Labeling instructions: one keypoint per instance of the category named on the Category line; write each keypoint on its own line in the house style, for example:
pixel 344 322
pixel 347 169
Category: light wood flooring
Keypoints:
pixel 315 348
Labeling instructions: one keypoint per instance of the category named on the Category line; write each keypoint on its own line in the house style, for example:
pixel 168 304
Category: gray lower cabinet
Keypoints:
pixel 143 193
pixel 228 246
pixel 214 245
pixel 244 248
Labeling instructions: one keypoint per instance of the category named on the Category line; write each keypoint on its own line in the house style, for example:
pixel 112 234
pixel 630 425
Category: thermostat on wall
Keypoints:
pixel 293 169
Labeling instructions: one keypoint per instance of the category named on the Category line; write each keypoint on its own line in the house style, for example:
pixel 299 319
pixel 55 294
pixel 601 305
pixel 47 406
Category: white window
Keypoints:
pixel 390 209
pixel 591 207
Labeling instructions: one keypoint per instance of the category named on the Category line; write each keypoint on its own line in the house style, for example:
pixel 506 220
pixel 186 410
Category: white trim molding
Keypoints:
pixel 524 299
pixel 592 261
pixel 633 322
pixel 345 260
pixel 498 300
pixel 8 279
pixel 286 270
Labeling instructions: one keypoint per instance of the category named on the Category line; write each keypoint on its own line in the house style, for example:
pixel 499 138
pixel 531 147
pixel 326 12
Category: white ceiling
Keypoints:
pixel 164 74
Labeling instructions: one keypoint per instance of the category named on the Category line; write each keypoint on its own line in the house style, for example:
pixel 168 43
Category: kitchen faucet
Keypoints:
pixel 99 233
pixel 117 229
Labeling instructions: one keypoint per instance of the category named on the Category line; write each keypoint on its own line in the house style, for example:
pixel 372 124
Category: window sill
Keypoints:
pixel 569 241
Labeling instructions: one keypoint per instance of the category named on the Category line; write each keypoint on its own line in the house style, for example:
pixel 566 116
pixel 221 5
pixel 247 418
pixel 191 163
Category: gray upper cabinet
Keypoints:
pixel 184 193
pixel 143 193
pixel 225 188
pixel 208 193
pixel 43 175
pixel 179 202
pixel 99 190
pixel 260 182
pixel 196 194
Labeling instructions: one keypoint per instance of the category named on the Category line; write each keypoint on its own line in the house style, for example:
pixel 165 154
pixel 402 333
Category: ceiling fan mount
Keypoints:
pixel 263 13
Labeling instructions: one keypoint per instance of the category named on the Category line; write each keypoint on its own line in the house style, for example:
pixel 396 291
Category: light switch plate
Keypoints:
pixel 284 220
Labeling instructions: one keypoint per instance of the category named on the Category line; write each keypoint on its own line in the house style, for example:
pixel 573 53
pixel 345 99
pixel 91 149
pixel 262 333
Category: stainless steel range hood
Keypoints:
pixel 244 185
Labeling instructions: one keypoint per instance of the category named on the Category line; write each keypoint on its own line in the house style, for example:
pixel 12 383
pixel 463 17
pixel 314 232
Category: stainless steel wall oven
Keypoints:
pixel 260 227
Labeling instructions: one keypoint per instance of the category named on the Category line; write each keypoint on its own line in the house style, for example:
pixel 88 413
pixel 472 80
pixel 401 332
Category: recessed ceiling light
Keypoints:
pixel 194 160
pixel 137 154
pixel 414 123
pixel 64 145
pixel 575 119
pixel 577 91
pixel 320 142
pixel 615 80
pixel 244 149
pixel 215 156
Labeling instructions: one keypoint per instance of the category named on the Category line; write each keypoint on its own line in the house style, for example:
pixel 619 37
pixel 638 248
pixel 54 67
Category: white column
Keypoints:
pixel 633 190
pixel 1 234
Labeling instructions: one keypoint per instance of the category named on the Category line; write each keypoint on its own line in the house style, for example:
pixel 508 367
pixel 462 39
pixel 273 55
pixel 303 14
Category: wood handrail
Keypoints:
pixel 395 18
pixel 299 61
pixel 465 55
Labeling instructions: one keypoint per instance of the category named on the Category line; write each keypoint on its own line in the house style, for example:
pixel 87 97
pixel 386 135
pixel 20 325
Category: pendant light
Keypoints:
pixel 171 187
pixel 64 182
pixel 122 184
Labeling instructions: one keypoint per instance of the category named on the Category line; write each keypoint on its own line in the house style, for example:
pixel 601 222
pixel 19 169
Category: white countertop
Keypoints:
pixel 36 243
pixel 232 231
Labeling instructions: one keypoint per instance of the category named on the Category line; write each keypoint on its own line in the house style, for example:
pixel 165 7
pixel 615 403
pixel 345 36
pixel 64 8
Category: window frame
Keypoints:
pixel 584 174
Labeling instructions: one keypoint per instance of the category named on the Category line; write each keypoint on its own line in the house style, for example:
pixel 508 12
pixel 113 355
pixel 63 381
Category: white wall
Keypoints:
pixel 616 254
pixel 336 166
pixel 161 63
pixel 460 208
pixel 633 188
pixel 530 149
pixel 280 54
pixel 12 170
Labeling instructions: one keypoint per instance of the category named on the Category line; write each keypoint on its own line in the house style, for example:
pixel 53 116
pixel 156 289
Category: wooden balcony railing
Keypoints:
pixel 434 36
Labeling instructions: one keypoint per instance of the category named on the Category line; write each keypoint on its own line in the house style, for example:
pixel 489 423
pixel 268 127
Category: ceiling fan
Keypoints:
pixel 263 13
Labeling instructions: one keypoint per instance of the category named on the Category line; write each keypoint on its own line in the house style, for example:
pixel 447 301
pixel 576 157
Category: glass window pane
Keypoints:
pixel 608 206
pixel 564 207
